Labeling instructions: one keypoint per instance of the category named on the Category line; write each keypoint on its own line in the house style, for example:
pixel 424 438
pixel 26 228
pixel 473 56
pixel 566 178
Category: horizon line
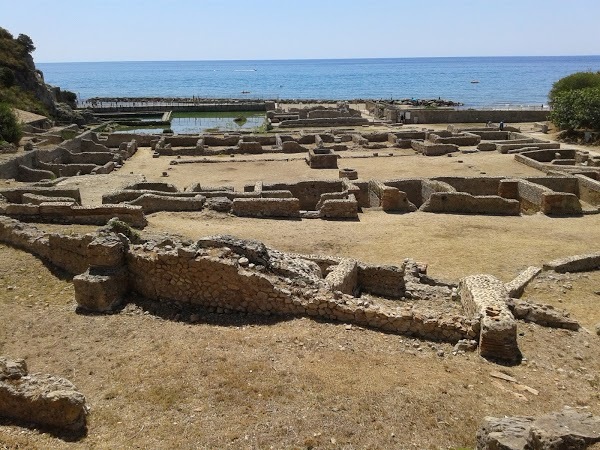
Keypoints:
pixel 315 59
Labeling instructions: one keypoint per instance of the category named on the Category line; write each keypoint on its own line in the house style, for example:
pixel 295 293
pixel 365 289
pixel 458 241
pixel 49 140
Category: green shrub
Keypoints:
pixel 577 109
pixel 573 82
pixel 7 77
pixel 10 128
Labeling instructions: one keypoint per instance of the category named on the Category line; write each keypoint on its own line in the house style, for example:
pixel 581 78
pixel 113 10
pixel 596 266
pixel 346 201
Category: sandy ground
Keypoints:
pixel 290 168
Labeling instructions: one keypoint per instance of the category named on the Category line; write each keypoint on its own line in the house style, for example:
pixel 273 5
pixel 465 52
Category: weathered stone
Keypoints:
pixel 569 429
pixel 577 263
pixel 517 286
pixel 486 296
pixel 42 399
pixel 100 290
pixel 544 315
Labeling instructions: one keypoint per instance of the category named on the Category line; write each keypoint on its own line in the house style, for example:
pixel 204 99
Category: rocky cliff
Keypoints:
pixel 23 86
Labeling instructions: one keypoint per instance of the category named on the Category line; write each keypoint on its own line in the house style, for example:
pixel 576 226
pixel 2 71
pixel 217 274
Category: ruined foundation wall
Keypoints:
pixel 463 203
pixel 266 207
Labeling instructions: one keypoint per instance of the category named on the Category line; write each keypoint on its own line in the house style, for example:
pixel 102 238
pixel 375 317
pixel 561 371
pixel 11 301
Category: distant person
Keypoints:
pixel 501 126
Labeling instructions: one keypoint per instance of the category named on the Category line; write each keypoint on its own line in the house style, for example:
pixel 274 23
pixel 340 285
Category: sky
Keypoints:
pixel 153 30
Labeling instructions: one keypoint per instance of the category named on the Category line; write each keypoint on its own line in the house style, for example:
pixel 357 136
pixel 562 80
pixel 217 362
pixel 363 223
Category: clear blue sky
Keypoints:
pixel 129 30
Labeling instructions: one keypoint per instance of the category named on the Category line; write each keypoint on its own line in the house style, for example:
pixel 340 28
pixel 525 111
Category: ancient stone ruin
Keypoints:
pixel 43 400
pixel 226 274
pixel 569 429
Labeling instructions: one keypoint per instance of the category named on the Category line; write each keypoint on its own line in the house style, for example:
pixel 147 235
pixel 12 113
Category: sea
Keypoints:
pixel 478 82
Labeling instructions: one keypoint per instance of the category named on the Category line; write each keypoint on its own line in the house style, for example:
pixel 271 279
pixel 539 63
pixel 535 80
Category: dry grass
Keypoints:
pixel 238 382
pixel 452 245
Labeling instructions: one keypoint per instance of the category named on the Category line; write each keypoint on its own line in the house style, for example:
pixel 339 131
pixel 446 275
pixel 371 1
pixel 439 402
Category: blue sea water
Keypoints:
pixel 501 80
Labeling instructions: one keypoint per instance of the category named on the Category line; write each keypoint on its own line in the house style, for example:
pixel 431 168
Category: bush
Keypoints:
pixel 10 128
pixel 573 82
pixel 7 77
pixel 577 109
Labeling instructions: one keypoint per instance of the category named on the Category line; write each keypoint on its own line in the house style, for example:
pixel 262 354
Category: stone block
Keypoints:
pixel 100 290
pixel 344 277
pixel 42 399
pixel 485 296
pixel 516 287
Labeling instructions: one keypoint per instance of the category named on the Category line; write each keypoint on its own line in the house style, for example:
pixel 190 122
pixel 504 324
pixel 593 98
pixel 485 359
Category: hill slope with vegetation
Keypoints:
pixel 22 86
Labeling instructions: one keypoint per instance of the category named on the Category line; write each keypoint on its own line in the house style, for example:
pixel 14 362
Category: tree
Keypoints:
pixel 10 128
pixel 573 82
pixel 26 42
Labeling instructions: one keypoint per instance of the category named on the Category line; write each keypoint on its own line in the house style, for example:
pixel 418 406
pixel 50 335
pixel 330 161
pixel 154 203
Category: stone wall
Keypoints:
pixel 69 213
pixel 460 139
pixel 151 203
pixel 322 159
pixel 15 195
pixel 308 192
pixel 430 149
pixel 389 198
pixel 266 207
pixel 27 174
pixel 464 203
pixel 535 197
pixel 345 208
pixel 588 190
pixel 473 185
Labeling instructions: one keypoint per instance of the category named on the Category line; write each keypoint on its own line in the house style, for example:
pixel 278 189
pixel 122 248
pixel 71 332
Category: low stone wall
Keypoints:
pixel 68 213
pixel 389 198
pixel 577 263
pixel 588 190
pixel 463 203
pixel 346 208
pixel 15 195
pixel 485 296
pixel 385 281
pixel 151 203
pixel 460 139
pixel 473 185
pixel 322 159
pixel 504 148
pixel 152 186
pixel 430 149
pixel 30 175
pixel 39 199
pixel 307 191
pixel 535 197
pixel 558 184
pixel 266 207
pixel 412 187
pixel 324 122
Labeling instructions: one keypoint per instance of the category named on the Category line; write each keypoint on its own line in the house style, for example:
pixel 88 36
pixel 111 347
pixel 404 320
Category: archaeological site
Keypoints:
pixel 349 275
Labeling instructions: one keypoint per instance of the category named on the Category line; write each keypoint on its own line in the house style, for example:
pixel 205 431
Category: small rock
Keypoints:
pixel 465 345
pixel 440 353
pixel 243 261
